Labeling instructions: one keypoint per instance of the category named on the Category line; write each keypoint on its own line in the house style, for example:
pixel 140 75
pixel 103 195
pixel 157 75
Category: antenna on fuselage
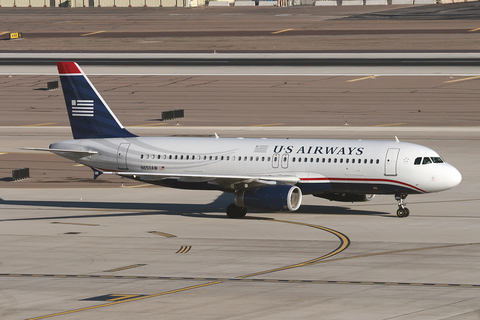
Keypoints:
pixel 216 136
pixel 396 139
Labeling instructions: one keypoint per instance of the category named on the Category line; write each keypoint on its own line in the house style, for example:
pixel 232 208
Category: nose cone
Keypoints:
pixel 452 177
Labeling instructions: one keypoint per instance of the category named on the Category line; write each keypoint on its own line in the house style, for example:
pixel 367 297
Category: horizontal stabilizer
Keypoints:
pixel 79 152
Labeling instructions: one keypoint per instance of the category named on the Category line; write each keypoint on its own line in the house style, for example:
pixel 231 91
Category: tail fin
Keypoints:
pixel 89 114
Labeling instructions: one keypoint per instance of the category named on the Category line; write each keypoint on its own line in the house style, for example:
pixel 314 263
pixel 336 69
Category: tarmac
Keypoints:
pixel 72 247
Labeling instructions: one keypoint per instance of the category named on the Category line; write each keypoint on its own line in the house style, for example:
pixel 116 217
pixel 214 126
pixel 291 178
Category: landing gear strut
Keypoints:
pixel 402 211
pixel 236 212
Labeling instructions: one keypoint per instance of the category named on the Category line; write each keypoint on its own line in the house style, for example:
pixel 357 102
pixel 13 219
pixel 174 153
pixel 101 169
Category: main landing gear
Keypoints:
pixel 402 211
pixel 236 212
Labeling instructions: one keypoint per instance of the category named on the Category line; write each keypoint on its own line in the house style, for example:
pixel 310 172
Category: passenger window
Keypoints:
pixel 141 157
pixel 341 160
pixel 371 161
pixel 221 158
pixel 293 159
pixel 335 160
pixel 170 157
pixel 251 158
pixel 378 161
pixel 353 160
pixel 426 160
pixel 186 158
pixel 329 160
pixel 365 161
pixel 418 161
pixel 323 160
pixel 268 159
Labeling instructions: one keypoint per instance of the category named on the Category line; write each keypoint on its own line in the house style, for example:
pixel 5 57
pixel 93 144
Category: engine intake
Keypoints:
pixel 346 197
pixel 270 198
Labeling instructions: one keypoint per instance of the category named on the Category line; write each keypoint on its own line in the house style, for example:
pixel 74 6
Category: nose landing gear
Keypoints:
pixel 402 211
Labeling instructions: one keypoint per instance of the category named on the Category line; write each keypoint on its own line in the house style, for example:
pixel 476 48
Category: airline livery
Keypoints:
pixel 262 174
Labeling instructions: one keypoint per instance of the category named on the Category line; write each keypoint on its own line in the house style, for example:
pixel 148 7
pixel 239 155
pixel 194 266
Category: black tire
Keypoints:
pixel 236 212
pixel 402 213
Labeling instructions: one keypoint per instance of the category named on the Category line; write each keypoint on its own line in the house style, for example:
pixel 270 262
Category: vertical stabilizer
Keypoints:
pixel 89 114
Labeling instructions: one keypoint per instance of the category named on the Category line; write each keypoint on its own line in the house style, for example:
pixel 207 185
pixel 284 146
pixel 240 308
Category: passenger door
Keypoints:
pixel 391 162
pixel 122 156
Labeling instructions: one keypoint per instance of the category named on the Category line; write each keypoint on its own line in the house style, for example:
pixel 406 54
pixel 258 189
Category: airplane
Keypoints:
pixel 268 175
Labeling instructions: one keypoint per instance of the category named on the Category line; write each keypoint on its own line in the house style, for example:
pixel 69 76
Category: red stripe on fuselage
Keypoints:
pixel 363 180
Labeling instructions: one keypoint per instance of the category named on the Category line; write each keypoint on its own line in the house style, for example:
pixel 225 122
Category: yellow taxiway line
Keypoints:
pixel 38 124
pixel 268 124
pixel 389 124
pixel 281 31
pixel 463 79
pixel 364 78
pixel 91 33
pixel 151 125
pixel 126 300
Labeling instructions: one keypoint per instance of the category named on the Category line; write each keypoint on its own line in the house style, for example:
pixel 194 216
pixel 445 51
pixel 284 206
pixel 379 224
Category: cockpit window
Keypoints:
pixel 426 160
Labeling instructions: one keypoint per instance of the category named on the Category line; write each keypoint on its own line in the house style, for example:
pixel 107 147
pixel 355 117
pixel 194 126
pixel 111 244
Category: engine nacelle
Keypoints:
pixel 346 197
pixel 270 198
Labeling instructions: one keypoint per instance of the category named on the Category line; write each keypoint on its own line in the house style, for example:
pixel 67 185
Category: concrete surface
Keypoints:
pixel 64 244
pixel 247 28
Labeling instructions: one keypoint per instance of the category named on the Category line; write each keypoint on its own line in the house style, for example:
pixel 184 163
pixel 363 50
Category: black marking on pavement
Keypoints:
pixel 77 224
pixel 167 235
pixel 383 283
pixel 114 297
pixel 125 268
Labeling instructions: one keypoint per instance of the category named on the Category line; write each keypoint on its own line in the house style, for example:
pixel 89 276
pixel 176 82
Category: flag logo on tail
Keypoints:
pixel 82 108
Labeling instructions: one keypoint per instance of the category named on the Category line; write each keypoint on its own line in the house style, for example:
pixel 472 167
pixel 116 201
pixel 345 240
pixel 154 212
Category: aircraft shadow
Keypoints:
pixel 184 209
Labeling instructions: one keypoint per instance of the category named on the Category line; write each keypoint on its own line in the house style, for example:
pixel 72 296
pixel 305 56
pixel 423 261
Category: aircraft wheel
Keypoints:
pixel 236 212
pixel 403 213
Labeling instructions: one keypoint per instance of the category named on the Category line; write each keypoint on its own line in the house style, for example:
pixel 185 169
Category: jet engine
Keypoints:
pixel 270 198
pixel 346 197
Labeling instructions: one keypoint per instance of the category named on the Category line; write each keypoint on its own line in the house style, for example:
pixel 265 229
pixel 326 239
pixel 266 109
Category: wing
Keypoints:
pixel 229 182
